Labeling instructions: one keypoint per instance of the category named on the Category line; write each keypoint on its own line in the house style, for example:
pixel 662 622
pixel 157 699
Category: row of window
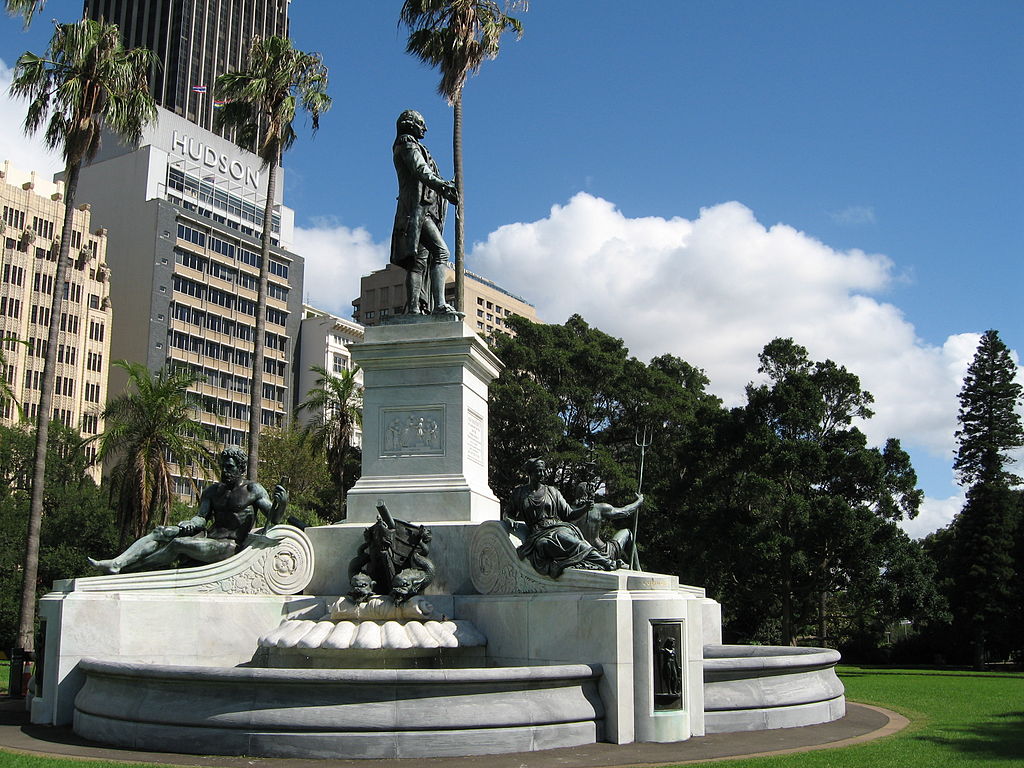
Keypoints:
pixel 13 274
pixel 43 227
pixel 13 217
pixel 208 193
pixel 228 249
pixel 62 385
pixel 224 352
pixel 10 307
pixel 224 299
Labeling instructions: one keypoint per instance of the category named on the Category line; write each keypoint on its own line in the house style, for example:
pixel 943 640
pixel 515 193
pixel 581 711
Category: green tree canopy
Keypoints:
pixel 990 422
pixel 334 406
pixel 980 552
pixel 287 454
pixel 77 521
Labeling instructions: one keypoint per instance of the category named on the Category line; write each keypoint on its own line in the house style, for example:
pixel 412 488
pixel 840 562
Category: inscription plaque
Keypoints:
pixel 475 437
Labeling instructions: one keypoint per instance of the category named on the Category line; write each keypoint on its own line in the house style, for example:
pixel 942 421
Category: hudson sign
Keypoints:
pixel 211 158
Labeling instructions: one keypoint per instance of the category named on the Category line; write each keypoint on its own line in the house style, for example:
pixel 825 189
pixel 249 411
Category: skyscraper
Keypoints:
pixel 184 210
pixel 195 40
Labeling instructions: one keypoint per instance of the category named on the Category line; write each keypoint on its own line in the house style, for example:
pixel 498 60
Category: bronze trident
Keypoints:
pixel 642 442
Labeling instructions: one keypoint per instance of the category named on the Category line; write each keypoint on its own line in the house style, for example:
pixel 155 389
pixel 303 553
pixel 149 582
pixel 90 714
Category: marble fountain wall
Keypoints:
pixel 584 644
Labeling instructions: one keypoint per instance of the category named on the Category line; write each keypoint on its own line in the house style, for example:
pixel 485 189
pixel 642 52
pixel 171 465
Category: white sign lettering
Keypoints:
pixel 191 148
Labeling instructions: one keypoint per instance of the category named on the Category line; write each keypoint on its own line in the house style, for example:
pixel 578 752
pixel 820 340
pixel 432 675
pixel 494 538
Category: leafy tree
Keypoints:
pixel 287 454
pixel 990 424
pixel 802 499
pixel 572 394
pixel 86 81
pixel 77 520
pixel 981 558
pixel 456 36
pixel 335 408
pixel 150 427
pixel 260 105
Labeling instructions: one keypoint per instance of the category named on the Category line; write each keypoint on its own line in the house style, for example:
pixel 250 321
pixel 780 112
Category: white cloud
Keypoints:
pixel 336 257
pixel 934 514
pixel 25 153
pixel 716 289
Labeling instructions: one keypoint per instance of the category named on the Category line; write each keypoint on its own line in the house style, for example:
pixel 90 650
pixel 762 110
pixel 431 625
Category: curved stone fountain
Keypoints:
pixel 757 687
pixel 352 713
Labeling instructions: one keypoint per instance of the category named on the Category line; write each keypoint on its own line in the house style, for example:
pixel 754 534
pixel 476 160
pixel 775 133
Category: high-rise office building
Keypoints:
pixel 195 40
pixel 184 209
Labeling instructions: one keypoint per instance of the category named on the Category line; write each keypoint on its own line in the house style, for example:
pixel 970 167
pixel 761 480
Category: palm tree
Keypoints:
pixel 260 105
pixel 456 36
pixel 27 9
pixel 335 404
pixel 149 427
pixel 87 81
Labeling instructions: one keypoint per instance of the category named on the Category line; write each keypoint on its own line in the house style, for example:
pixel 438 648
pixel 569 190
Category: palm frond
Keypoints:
pixel 457 36
pixel 86 81
pixel 27 9
pixel 151 427
pixel 277 79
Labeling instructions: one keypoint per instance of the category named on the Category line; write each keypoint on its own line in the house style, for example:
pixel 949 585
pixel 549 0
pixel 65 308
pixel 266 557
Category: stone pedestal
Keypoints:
pixel 424 423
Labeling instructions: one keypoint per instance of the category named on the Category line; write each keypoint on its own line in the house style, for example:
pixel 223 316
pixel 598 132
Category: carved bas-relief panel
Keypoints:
pixel 666 637
pixel 412 431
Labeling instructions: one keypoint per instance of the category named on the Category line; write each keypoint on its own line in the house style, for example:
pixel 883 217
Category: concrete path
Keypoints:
pixel 862 723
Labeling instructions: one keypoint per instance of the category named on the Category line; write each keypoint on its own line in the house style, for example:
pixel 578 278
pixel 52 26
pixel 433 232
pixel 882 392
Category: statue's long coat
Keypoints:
pixel 418 182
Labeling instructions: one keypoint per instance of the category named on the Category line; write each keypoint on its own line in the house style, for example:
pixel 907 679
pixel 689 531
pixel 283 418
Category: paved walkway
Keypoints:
pixel 861 723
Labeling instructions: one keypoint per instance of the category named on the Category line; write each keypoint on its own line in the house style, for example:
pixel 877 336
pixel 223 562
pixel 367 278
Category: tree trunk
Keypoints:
pixel 788 634
pixel 256 395
pixel 26 623
pixel 460 208
pixel 822 628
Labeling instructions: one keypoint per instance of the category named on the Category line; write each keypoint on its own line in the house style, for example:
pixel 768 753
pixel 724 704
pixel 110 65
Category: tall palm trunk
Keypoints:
pixel 460 207
pixel 256 395
pixel 27 620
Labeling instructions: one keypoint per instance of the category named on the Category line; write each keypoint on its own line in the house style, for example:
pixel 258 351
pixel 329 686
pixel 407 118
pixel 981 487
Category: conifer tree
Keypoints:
pixel 983 570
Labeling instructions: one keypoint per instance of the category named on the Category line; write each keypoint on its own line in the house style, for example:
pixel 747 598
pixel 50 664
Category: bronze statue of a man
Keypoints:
pixel 417 245
pixel 229 507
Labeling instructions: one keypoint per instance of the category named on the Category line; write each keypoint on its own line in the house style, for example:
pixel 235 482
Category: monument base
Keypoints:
pixel 424 423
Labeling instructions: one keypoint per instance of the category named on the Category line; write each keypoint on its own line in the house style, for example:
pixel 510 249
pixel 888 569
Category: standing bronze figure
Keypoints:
pixel 417 245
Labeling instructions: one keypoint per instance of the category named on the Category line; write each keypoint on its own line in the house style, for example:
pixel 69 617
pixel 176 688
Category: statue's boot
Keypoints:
pixel 438 272
pixel 413 291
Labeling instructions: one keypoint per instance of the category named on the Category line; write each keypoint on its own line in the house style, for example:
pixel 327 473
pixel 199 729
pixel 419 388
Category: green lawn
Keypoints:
pixel 957 719
pixel 968 719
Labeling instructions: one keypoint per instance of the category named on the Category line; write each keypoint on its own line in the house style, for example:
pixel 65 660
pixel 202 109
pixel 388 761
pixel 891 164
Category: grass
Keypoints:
pixel 957 720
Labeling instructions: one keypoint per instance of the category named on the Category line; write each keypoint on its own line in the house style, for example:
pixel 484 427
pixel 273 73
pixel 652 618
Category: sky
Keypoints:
pixel 698 178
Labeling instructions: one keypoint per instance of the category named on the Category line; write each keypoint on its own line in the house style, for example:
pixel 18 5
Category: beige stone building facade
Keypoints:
pixel 32 216
pixel 382 294
pixel 324 340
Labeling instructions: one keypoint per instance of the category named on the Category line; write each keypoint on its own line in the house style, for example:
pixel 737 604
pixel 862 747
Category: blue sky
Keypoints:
pixel 699 177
